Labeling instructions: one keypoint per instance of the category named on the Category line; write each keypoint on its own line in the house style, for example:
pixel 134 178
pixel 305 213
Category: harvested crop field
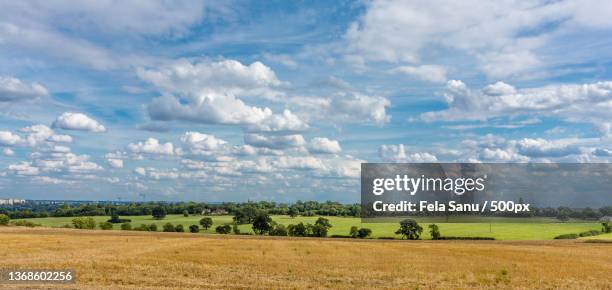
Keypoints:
pixel 126 260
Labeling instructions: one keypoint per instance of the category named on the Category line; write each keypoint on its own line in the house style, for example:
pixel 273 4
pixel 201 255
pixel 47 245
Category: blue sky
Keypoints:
pixel 238 100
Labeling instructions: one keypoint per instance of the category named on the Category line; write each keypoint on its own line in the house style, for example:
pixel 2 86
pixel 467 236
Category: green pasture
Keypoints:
pixel 499 228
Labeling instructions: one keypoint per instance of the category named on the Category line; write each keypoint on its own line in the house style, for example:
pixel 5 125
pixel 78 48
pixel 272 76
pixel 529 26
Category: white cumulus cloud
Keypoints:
pixel 115 163
pixel 152 146
pixel 14 90
pixel 586 103
pixel 324 145
pixel 397 153
pixel 8 138
pixel 78 121
pixel 275 142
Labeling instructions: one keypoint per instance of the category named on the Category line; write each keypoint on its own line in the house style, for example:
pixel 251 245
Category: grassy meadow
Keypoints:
pixel 499 228
pixel 137 260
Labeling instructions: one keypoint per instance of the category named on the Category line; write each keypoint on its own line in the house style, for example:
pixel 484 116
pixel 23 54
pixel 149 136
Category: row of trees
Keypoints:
pixel 34 209
pixel 411 230
pixel 244 212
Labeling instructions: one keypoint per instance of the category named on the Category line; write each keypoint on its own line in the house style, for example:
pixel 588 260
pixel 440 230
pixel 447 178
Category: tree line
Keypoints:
pixel 244 211
pixel 33 209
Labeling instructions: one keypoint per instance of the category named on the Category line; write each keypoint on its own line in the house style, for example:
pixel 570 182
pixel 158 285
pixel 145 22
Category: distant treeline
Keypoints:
pixel 33 209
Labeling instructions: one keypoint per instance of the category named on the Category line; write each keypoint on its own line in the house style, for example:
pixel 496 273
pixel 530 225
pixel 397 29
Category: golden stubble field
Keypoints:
pixel 141 260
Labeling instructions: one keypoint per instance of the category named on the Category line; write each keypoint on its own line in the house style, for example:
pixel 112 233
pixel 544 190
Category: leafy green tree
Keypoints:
pixel 317 230
pixel 363 233
pixel 409 229
pixel 262 223
pixel 126 226
pixel 278 230
pixel 434 231
pixel 114 216
pixel 159 212
pixel 179 228
pixel 105 226
pixel 152 228
pixel 4 220
pixel 235 229
pixel 206 222
pixel 353 232
pixel 320 228
pixel 168 227
pixel 298 230
pixel 224 229
pixel 321 221
pixel 606 227
pixel 185 213
pixel 245 215
pixel 194 229
pixel 293 212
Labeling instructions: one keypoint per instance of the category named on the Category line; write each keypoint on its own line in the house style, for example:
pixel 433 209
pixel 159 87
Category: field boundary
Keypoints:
pixel 57 231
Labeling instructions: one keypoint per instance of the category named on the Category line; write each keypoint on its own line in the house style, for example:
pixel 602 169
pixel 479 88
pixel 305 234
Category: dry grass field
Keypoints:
pixel 128 260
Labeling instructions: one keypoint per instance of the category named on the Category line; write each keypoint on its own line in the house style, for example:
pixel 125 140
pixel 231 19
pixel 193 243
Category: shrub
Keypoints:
pixel 206 222
pixel 566 236
pixel 318 230
pixel 194 229
pixel 168 227
pixel 179 228
pixel 434 231
pixel 298 230
pixel 84 223
pixel 321 221
pixel 235 229
pixel 363 233
pixel 224 229
pixel 142 228
pixel 126 226
pixel 185 213
pixel 25 223
pixel 606 227
pixel 353 232
pixel 279 230
pixel 152 228
pixel 4 220
pixel 105 226
pixel 590 233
